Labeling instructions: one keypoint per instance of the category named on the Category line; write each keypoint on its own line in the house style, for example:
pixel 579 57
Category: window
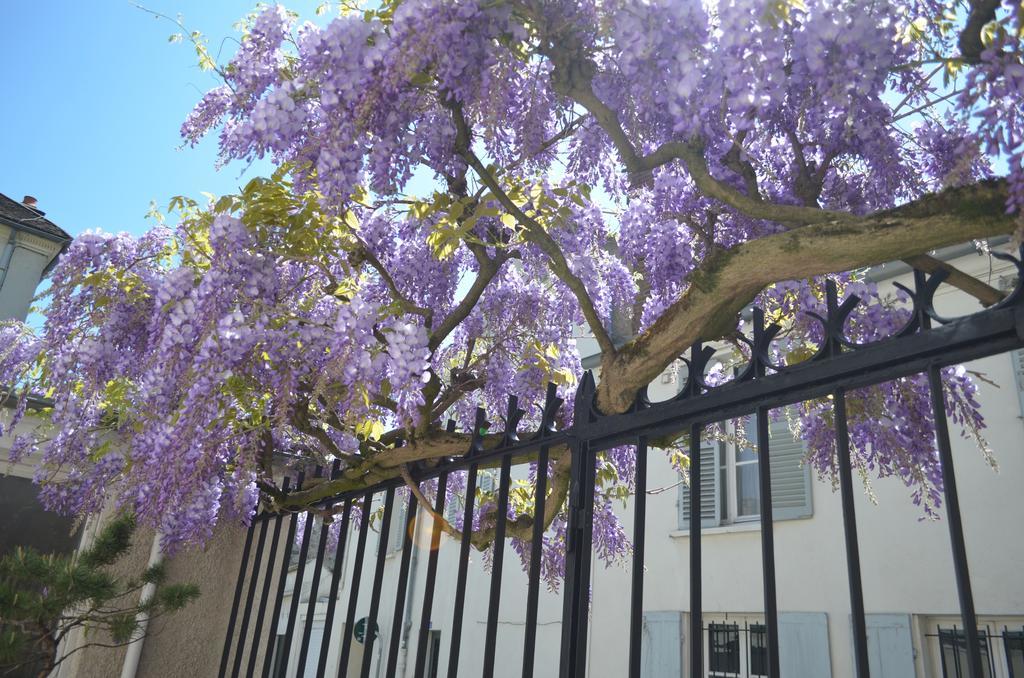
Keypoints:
pixel 433 654
pixel 1013 644
pixel 736 649
pixel 455 507
pixel 399 523
pixel 730 485
pixel 1018 372
pixel 953 648
pixel 723 650
pixel 758 650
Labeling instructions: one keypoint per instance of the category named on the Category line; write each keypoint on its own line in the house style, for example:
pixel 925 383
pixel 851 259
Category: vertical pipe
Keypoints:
pixel 497 561
pixel 268 572
pixel 332 599
pixel 579 538
pixel 243 630
pixel 378 582
pixel 636 602
pixel 428 592
pixel 771 613
pixel 536 551
pixel 289 541
pixel 956 528
pixel 460 581
pixel 293 609
pixel 353 595
pixel 314 595
pixel 860 633
pixel 134 651
pixel 236 599
pixel 696 581
pixel 403 581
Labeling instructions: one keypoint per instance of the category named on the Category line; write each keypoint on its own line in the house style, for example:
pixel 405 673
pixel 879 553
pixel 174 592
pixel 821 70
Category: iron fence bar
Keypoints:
pixel 314 595
pixel 771 613
pixel 860 633
pixel 282 581
pixel 268 572
pixel 696 600
pixel 497 561
pixel 353 590
pixel 970 338
pixel 428 591
pixel 378 582
pixel 244 628
pixel 579 538
pixel 236 599
pixel 460 581
pixel 956 528
pixel 403 581
pixel 536 551
pixel 300 571
pixel 332 600
pixel 636 602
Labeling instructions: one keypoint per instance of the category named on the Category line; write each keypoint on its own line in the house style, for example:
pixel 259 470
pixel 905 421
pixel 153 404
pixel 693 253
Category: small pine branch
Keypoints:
pixel 44 596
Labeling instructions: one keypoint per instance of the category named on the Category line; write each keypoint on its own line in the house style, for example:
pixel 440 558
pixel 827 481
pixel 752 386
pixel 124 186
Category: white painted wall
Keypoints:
pixel 23 258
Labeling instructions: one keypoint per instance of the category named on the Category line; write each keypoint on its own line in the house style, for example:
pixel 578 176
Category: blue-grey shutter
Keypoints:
pixel 661 654
pixel 1018 374
pixel 803 645
pixel 791 478
pixel 890 646
pixel 710 514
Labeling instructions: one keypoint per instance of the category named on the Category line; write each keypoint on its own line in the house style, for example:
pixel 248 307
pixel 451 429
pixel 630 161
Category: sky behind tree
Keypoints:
pixel 94 95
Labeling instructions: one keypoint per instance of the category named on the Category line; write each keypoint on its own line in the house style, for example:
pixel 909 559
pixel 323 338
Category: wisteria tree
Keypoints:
pixel 463 187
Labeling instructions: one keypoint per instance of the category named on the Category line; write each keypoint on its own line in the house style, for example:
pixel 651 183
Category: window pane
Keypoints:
pixel 1014 644
pixel 747 492
pixel 723 649
pixel 758 651
pixel 723 493
pixel 953 645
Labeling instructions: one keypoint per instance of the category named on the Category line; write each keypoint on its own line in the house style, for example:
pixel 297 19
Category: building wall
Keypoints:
pixel 906 563
pixel 23 258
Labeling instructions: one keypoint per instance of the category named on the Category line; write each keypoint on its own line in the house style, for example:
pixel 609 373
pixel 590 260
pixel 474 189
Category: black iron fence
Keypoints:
pixel 926 344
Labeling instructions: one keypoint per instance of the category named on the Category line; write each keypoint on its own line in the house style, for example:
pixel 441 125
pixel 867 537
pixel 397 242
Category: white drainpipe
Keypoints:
pixel 407 624
pixel 134 652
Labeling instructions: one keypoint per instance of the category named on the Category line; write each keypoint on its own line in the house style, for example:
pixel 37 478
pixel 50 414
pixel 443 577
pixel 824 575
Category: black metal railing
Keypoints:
pixel 926 344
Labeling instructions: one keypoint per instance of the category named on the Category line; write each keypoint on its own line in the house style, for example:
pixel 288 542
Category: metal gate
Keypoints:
pixel 925 345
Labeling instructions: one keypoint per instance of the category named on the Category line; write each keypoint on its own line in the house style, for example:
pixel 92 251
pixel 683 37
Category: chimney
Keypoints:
pixel 30 202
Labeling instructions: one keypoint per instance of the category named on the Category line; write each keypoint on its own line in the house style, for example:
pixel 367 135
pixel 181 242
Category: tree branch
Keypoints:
pixel 536 234
pixel 404 302
pixel 728 280
pixel 982 12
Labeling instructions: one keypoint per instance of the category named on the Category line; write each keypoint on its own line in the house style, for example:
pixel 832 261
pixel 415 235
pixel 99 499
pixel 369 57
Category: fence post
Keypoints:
pixel 578 540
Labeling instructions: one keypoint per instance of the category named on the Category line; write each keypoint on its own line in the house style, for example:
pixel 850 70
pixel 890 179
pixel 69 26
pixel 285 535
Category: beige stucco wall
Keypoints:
pixel 189 642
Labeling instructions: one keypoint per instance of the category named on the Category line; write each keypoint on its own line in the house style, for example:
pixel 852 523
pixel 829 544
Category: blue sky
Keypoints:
pixel 94 95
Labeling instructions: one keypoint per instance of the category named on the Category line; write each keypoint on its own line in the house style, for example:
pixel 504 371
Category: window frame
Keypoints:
pixel 726 500
pixel 745 626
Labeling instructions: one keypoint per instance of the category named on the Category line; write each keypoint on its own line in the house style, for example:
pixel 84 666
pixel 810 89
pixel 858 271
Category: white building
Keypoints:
pixel 29 246
pixel 909 590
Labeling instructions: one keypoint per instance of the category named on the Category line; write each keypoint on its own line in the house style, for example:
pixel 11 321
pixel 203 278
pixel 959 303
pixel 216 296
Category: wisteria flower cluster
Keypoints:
pixel 464 190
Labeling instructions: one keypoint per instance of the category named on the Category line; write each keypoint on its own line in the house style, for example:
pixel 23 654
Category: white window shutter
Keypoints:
pixel 791 478
pixel 709 489
pixel 803 645
pixel 662 650
pixel 1018 374
pixel 890 645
